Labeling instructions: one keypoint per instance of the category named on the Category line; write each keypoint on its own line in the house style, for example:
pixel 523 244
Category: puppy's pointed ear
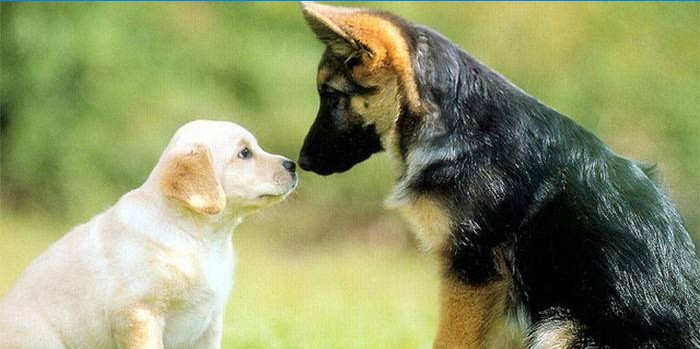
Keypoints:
pixel 189 177
pixel 329 25
pixel 367 41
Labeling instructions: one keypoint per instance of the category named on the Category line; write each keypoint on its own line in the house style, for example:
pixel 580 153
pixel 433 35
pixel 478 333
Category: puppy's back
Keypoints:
pixel 56 296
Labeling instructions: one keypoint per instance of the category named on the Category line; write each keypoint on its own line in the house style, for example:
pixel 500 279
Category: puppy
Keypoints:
pixel 154 270
pixel 545 237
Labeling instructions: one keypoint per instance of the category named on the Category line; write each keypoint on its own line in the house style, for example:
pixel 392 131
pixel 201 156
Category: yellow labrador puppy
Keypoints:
pixel 154 270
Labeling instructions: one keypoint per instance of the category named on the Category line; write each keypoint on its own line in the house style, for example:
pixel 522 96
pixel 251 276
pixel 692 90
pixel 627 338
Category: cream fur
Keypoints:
pixel 149 272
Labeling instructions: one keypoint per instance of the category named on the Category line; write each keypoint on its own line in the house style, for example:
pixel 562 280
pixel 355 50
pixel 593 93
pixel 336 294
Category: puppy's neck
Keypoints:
pixel 150 213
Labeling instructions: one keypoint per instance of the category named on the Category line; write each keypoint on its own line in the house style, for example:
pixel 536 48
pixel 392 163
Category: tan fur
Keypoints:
pixel 430 221
pixel 381 108
pixel 323 75
pixel 378 108
pixel 190 178
pixel 470 316
pixel 388 55
pixel 139 328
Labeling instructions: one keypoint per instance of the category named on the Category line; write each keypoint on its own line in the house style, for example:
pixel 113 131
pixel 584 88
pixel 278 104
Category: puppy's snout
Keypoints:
pixel 304 162
pixel 289 166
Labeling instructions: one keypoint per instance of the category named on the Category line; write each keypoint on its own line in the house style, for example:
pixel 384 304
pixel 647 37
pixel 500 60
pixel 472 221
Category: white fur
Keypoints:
pixel 147 272
pixel 553 334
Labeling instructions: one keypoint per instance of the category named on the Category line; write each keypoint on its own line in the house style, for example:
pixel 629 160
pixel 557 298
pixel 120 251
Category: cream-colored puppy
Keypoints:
pixel 155 270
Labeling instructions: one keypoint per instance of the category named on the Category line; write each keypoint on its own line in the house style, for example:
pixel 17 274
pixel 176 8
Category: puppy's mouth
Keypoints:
pixel 282 195
pixel 272 196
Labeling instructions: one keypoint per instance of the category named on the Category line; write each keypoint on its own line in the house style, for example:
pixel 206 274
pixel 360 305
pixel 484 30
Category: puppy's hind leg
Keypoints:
pixel 138 327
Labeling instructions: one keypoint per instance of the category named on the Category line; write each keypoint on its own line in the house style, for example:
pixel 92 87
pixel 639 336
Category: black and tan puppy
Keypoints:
pixel 547 239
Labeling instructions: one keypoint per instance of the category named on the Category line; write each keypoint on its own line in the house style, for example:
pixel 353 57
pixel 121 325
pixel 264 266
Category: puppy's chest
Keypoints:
pixel 196 287
pixel 195 278
pixel 429 219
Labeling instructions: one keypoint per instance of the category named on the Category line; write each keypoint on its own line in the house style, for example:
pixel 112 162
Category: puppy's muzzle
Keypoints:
pixel 291 167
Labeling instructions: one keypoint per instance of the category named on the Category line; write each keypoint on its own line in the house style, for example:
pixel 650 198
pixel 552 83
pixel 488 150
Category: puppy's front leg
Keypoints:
pixel 211 339
pixel 469 314
pixel 138 327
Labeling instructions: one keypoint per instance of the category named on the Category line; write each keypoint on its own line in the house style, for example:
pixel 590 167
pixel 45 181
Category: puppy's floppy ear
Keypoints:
pixel 329 23
pixel 189 177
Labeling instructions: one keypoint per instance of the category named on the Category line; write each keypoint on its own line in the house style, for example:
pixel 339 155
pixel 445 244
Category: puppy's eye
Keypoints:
pixel 329 91
pixel 352 61
pixel 245 154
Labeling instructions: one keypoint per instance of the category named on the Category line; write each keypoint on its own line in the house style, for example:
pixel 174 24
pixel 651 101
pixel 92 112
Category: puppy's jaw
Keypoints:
pixel 262 200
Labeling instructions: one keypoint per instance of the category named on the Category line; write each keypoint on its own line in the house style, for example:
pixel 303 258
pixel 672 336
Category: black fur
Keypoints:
pixel 336 141
pixel 586 235
pixel 585 232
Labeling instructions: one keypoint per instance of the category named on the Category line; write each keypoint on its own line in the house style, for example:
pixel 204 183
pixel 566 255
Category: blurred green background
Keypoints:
pixel 91 94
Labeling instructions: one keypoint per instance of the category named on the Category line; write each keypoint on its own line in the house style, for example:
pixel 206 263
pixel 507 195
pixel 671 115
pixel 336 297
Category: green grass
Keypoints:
pixel 336 295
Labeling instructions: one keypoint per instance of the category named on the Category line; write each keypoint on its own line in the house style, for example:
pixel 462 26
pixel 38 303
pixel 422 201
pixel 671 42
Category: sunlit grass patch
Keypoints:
pixel 342 296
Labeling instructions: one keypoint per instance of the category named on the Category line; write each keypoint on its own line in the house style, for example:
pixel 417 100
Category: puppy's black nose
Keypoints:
pixel 289 165
pixel 304 162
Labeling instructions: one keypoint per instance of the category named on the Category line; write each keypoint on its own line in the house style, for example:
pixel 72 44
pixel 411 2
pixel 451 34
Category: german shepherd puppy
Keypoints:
pixel 546 238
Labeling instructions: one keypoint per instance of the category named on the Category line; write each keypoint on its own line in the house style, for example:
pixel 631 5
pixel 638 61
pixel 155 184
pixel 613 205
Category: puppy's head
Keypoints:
pixel 365 80
pixel 214 166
